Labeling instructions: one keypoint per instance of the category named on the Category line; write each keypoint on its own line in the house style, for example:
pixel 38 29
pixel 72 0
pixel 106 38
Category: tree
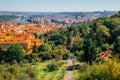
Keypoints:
pixel 1 54
pixel 15 52
pixel 115 33
pixel 35 49
pixel 117 44
pixel 35 35
pixel 113 23
pixel 77 45
pixel 69 36
pixel 40 36
pixel 58 39
pixel 90 51
pixel 100 35
pixel 96 25
pixel 105 30
pixel 105 46
pixel 79 55
pixel 44 47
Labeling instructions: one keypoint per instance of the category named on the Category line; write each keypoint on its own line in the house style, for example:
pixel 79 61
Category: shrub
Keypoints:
pixel 65 56
pixel 7 76
pixel 52 66
pixel 81 67
pixel 25 77
pixel 44 47
pixel 106 71
pixel 118 55
pixel 18 72
pixel 32 72
pixel 13 70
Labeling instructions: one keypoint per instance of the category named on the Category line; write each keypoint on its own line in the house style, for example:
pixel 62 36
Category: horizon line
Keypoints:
pixel 58 11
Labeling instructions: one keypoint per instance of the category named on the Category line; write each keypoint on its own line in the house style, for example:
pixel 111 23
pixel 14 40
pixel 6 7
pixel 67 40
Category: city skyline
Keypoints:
pixel 59 5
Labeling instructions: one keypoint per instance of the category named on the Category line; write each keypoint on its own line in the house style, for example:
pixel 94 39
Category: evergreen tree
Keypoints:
pixel 90 51
pixel 117 44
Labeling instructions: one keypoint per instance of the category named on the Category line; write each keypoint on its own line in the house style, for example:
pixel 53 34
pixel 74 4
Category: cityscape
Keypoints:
pixel 59 40
pixel 24 25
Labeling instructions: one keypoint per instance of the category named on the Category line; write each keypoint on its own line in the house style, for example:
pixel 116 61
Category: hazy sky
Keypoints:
pixel 59 5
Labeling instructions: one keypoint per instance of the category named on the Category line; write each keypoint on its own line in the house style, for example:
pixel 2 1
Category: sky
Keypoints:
pixel 59 5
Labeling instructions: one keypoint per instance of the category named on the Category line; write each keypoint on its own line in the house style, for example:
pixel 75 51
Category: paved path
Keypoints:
pixel 69 69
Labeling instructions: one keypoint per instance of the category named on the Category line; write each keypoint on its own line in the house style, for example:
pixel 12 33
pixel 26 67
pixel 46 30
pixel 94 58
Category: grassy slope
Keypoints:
pixel 27 71
pixel 43 74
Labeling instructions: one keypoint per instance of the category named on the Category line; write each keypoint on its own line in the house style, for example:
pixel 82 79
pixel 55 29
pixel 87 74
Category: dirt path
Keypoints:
pixel 69 70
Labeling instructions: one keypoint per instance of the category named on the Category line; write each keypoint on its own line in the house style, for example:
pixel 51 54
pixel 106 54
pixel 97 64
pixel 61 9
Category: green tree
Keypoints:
pixel 79 55
pixel 40 36
pixel 77 45
pixel 1 54
pixel 105 30
pixel 105 46
pixel 90 51
pixel 15 52
pixel 58 39
pixel 35 49
pixel 117 44
pixel 44 47
pixel 115 33
pixel 69 36
pixel 35 35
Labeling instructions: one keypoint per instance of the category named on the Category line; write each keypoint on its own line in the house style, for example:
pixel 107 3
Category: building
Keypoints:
pixel 25 40
pixel 105 55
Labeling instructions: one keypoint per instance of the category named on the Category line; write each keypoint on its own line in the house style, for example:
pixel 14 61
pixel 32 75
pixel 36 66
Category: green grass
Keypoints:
pixel 43 74
pixel 28 71
pixel 75 74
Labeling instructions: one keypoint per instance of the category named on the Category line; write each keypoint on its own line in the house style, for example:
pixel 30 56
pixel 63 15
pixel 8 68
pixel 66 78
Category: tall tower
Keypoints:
pixel 1 26
pixel 45 22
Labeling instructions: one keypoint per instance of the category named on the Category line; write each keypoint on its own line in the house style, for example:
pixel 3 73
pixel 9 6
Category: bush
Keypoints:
pixel 65 56
pixel 81 67
pixel 33 58
pixel 107 71
pixel 32 72
pixel 25 77
pixel 44 47
pixel 79 55
pixel 52 66
pixel 118 55
pixel 18 72
pixel 7 76
pixel 13 70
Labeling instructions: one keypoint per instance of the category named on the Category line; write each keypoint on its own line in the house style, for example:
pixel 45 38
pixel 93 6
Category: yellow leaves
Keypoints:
pixel 109 70
pixel 105 30
pixel 113 67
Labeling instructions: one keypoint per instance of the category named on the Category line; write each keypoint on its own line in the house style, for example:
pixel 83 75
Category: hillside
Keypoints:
pixel 93 48
pixel 103 34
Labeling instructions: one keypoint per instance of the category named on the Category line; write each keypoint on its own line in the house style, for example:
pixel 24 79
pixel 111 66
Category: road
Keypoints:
pixel 69 69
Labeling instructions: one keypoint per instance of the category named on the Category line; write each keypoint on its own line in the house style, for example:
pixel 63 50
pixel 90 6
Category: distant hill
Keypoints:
pixel 102 13
pixel 4 18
